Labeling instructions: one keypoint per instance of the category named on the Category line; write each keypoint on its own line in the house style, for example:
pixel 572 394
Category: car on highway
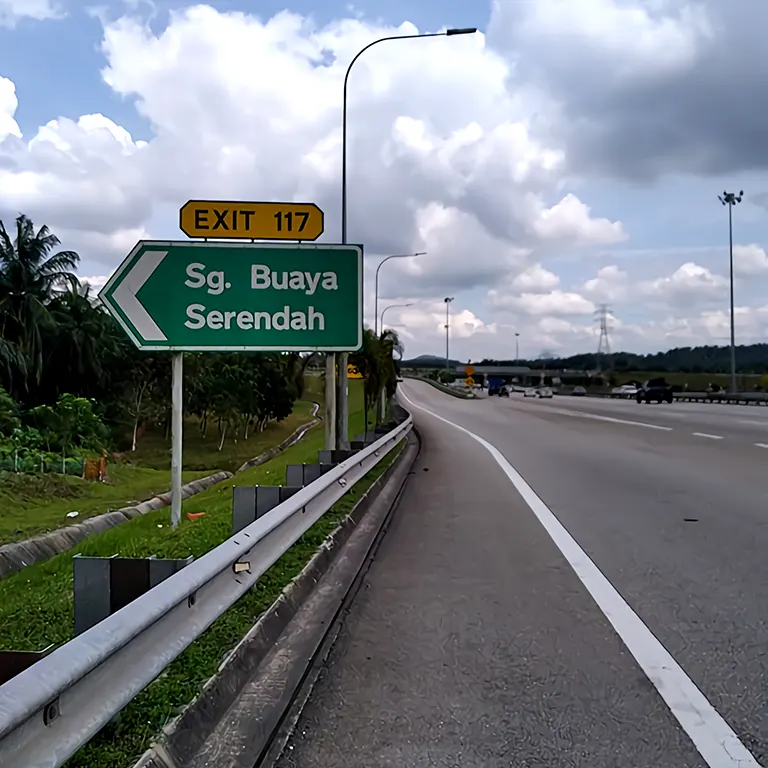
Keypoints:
pixel 655 390
pixel 504 391
pixel 544 392
pixel 625 390
pixel 530 392
pixel 579 392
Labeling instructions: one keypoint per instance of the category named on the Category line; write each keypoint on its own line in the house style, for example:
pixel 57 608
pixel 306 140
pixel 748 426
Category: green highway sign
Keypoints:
pixel 236 297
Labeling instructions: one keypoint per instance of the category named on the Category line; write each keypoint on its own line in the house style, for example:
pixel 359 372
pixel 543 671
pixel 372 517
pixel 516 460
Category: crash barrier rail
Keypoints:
pixel 51 709
pixel 745 398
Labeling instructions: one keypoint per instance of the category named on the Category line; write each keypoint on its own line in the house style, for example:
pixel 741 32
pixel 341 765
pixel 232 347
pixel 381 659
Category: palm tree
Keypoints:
pixel 376 363
pixel 83 338
pixel 29 278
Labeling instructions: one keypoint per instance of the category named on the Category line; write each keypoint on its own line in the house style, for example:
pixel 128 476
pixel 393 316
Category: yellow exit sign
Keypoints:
pixel 251 221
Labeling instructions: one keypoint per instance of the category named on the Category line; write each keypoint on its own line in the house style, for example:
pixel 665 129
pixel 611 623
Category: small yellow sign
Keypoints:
pixel 251 221
pixel 354 373
pixel 469 370
pixel 469 381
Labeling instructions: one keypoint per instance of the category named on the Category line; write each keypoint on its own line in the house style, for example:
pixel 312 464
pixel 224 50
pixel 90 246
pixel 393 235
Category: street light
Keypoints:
pixel 730 199
pixel 517 347
pixel 447 300
pixel 391 306
pixel 342 413
pixel 376 284
pixel 447 33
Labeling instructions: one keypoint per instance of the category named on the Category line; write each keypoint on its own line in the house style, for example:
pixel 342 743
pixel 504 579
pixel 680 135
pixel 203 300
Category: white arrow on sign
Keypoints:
pixel 125 295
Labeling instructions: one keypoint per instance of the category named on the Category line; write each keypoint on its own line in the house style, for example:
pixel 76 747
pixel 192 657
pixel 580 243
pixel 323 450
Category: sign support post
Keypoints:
pixel 177 426
pixel 342 404
pixel 330 401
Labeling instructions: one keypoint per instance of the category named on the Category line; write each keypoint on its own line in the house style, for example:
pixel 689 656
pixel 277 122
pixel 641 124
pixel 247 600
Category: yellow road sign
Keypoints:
pixel 251 221
pixel 469 381
pixel 469 370
pixel 354 373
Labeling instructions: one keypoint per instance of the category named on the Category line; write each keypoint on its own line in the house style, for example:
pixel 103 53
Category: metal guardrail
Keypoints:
pixel 57 705
pixel 745 398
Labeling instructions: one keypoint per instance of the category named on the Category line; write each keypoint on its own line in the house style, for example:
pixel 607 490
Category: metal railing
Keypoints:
pixel 57 705
pixel 744 398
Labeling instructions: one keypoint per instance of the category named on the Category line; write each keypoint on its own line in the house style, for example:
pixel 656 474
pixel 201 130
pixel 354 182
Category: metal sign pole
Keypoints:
pixel 177 426
pixel 342 404
pixel 330 401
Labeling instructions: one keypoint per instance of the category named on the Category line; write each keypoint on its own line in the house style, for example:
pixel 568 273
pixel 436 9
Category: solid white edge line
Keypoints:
pixel 705 434
pixel 711 735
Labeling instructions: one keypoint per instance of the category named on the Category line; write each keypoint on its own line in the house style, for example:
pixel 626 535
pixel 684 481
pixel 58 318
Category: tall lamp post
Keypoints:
pixel 447 300
pixel 342 411
pixel 730 199
pixel 376 285
pixel 517 347
pixel 391 306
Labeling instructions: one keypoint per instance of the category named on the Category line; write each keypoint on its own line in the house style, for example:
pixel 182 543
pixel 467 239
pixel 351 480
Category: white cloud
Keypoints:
pixel 535 279
pixel 8 106
pixel 447 162
pixel 749 260
pixel 689 285
pixel 468 151
pixel 610 284
pixel 570 220
pixel 12 11
pixel 554 303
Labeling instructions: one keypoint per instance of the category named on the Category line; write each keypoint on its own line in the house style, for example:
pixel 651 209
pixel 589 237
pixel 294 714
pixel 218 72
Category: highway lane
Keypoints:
pixel 473 641
pixel 702 420
pixel 629 496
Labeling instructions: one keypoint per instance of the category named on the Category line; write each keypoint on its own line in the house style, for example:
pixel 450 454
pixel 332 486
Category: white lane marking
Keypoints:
pixel 754 421
pixel 711 735
pixel 710 437
pixel 762 445
pixel 585 415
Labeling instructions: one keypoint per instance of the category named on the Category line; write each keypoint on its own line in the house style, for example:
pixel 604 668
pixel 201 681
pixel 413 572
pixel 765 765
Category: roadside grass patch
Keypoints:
pixel 36 504
pixel 121 745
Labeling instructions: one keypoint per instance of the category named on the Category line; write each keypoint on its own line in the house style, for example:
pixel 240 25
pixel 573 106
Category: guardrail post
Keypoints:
pixel 13 663
pixel 104 585
pixel 250 502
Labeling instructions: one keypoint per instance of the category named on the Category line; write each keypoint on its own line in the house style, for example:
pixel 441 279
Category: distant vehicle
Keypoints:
pixel 655 390
pixel 504 391
pixel 579 392
pixel 399 380
pixel 544 392
pixel 625 390
pixel 530 392
pixel 495 383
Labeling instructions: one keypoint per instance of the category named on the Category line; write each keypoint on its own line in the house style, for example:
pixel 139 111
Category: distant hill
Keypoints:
pixel 750 358
pixel 428 361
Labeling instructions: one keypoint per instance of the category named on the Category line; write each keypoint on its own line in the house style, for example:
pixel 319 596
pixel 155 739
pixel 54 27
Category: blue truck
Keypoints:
pixel 495 383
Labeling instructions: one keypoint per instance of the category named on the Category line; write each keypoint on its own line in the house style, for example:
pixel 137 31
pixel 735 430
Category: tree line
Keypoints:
pixel 750 359
pixel 61 354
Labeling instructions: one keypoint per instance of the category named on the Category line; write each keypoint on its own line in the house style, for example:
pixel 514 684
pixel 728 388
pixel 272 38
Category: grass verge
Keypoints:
pixel 36 605
pixel 33 505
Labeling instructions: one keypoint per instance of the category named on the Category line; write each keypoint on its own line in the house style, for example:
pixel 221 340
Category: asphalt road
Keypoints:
pixel 481 637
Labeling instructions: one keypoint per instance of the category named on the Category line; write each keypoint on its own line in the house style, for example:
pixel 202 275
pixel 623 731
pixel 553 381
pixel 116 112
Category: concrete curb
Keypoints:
pixel 287 443
pixel 18 555
pixel 236 716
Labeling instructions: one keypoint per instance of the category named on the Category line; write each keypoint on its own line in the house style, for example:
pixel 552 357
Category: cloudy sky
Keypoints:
pixel 568 155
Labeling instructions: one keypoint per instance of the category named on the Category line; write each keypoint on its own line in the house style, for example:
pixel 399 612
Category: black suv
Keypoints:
pixel 655 390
